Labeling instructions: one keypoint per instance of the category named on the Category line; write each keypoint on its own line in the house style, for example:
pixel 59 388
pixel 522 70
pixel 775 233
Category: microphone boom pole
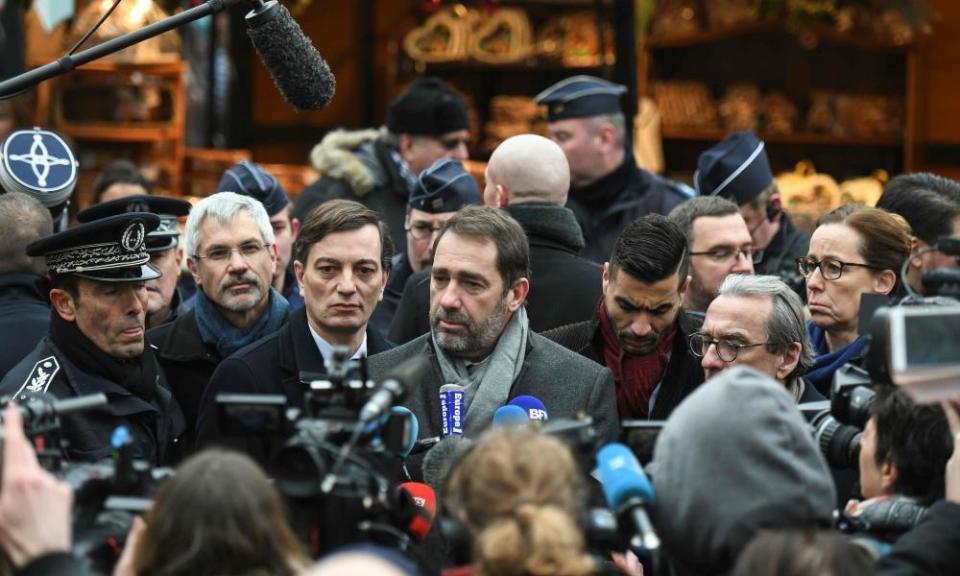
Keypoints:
pixel 30 78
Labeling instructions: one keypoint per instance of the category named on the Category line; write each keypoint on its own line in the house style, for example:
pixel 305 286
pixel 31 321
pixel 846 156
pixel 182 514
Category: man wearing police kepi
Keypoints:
pixel 737 168
pixel 640 331
pixel 39 163
pixel 229 244
pixel 441 190
pixel 379 168
pixel 248 179
pixel 96 342
pixel 480 339
pixel 607 189
pixel 163 298
pixel 342 260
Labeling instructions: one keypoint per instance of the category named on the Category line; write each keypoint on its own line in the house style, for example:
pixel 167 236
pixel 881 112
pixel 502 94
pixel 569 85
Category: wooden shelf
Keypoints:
pixel 526 66
pixel 825 36
pixel 816 138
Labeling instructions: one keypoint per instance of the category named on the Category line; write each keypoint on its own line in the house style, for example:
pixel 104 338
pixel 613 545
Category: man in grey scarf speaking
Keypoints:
pixel 480 337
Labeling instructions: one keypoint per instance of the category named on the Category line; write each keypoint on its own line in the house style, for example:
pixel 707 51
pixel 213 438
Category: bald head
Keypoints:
pixel 527 168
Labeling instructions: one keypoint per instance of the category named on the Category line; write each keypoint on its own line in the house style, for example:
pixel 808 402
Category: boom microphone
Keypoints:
pixel 628 491
pixel 297 69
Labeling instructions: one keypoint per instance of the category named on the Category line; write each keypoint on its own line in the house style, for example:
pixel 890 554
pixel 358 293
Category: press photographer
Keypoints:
pixel 903 455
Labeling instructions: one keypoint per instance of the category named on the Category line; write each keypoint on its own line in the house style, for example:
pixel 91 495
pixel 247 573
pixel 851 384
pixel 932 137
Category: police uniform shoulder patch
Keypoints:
pixel 39 378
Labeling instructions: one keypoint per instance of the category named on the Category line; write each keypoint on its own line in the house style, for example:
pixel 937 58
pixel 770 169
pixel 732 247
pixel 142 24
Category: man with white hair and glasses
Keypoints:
pixel 231 253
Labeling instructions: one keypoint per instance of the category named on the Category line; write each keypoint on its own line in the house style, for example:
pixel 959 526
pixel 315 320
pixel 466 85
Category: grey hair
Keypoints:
pixel 617 120
pixel 23 219
pixel 785 324
pixel 224 207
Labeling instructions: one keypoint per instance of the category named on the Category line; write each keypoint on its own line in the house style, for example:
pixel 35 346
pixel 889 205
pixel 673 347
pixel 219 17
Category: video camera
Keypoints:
pixel 107 494
pixel 336 455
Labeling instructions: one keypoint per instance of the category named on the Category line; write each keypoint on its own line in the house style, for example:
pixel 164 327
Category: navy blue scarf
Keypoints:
pixel 826 362
pixel 218 331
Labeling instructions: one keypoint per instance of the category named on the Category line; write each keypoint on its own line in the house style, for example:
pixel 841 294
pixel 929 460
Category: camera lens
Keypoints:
pixel 839 443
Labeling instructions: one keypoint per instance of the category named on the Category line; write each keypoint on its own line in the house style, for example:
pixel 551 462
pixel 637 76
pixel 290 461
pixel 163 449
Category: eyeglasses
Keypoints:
pixel 830 268
pixel 452 143
pixel 221 255
pixel 422 230
pixel 727 350
pixel 721 255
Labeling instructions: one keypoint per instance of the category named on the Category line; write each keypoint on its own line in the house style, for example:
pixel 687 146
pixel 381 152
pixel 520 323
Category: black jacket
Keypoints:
pixel 605 207
pixel 156 426
pixel 188 363
pixel 683 373
pixel 929 549
pixel 358 166
pixel 564 288
pixel 780 257
pixel 387 308
pixel 24 317
pixel 269 366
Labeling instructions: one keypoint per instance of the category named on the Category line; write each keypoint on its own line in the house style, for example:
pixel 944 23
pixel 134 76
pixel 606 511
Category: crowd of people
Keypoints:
pixel 572 284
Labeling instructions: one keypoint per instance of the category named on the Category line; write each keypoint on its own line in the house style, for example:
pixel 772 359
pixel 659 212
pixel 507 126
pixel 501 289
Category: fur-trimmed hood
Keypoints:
pixel 348 155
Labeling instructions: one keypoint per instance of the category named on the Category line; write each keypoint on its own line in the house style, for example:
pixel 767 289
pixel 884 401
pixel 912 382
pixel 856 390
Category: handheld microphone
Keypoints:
pixel 401 442
pixel 452 409
pixel 395 387
pixel 425 500
pixel 297 69
pixel 532 405
pixel 510 415
pixel 628 491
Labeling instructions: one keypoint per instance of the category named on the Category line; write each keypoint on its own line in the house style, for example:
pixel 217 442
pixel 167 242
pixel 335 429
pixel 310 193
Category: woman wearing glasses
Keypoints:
pixel 852 252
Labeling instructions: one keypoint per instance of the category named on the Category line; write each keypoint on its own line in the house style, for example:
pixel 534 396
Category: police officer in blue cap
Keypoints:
pixel 607 188
pixel 98 272
pixel 249 179
pixel 163 245
pixel 737 168
pixel 441 190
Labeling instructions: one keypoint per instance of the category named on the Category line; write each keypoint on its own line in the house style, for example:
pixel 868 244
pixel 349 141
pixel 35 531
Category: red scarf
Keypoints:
pixel 635 376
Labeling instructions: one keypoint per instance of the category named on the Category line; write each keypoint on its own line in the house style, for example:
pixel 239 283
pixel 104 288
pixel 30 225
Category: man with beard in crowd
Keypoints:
pixel 230 245
pixel 248 179
pixel 640 330
pixel 481 339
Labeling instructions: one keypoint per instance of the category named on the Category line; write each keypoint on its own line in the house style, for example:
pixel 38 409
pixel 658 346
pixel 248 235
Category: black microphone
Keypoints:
pixel 395 387
pixel 297 69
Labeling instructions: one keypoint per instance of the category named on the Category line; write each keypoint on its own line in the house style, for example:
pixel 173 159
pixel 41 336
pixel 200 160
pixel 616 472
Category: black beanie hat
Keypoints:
pixel 429 107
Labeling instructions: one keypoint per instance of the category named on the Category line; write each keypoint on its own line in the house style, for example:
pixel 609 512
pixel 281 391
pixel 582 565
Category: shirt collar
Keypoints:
pixel 326 349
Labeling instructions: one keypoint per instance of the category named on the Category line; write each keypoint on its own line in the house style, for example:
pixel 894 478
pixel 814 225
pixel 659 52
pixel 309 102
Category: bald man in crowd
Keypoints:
pixel 528 176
